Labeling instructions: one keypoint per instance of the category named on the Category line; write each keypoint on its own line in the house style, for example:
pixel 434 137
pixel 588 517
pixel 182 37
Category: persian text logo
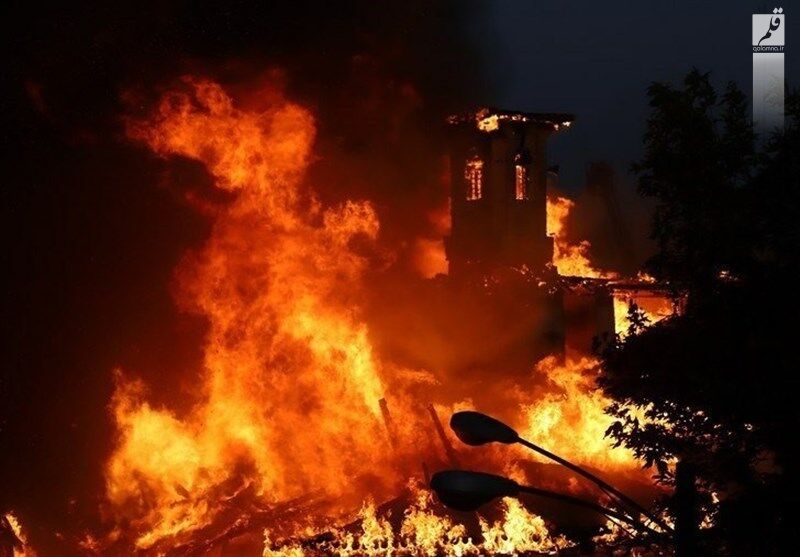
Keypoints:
pixel 769 31
pixel 769 39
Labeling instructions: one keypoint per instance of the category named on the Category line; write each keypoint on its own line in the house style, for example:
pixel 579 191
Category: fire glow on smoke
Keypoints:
pixel 290 385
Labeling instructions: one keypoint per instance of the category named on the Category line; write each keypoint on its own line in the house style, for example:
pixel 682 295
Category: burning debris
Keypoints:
pixel 13 541
pixel 418 525
pixel 490 119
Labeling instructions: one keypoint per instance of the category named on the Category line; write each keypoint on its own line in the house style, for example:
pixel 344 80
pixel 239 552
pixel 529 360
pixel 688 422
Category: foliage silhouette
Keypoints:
pixel 715 385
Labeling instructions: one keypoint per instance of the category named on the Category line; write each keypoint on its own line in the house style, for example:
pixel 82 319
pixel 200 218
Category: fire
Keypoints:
pixel 519 531
pixel 424 532
pixel 289 418
pixel 654 306
pixel 568 418
pixel 290 385
pixel 569 259
pixel 13 537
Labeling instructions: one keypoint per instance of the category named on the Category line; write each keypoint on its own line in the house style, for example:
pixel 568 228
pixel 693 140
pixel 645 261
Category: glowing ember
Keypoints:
pixel 569 259
pixel 290 383
pixel 520 182
pixel 489 123
pixel 12 536
pixel 473 175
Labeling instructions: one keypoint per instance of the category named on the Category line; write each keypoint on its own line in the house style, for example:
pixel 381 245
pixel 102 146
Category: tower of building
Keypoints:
pixel 498 166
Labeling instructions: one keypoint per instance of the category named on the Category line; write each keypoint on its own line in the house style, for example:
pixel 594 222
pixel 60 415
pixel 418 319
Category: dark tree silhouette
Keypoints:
pixel 717 383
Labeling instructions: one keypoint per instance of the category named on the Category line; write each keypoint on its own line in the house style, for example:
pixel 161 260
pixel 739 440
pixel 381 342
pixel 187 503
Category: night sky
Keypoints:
pixel 94 225
pixel 597 59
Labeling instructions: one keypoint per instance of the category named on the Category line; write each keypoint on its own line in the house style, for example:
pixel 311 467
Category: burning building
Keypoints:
pixel 498 164
pixel 200 350
pixel 499 302
pixel 297 422
pixel 507 246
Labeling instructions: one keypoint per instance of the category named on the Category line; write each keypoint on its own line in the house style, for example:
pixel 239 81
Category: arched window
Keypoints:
pixel 473 176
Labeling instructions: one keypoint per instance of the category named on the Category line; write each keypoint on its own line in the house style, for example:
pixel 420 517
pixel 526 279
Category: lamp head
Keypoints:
pixel 474 428
pixel 463 490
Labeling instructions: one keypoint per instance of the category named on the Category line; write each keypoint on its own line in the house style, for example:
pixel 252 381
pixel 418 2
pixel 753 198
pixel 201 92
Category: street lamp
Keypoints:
pixel 475 428
pixel 464 490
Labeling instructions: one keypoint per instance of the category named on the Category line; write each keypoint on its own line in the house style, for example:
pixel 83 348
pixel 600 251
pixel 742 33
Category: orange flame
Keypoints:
pixel 569 419
pixel 288 401
pixel 654 306
pixel 423 532
pixel 520 531
pixel 21 547
pixel 569 259
pixel 290 385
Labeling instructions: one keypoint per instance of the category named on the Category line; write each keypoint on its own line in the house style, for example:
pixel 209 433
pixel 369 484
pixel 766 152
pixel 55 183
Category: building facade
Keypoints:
pixel 498 172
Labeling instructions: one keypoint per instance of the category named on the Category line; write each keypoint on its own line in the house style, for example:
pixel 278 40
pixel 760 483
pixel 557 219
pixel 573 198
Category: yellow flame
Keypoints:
pixel 569 417
pixel 290 385
pixel 654 306
pixel 519 531
pixel 423 532
pixel 569 259
pixel 21 549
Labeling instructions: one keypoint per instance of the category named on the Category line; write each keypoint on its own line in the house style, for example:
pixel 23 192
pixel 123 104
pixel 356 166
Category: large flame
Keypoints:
pixel 570 259
pixel 290 386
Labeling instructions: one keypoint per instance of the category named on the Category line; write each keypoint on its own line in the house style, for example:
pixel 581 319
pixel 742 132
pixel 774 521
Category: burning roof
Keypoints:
pixel 488 119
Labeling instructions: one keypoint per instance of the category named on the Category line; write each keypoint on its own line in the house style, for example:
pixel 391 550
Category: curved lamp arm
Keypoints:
pixel 475 428
pixel 466 490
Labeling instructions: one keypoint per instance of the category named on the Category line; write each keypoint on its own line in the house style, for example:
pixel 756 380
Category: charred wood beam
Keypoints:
pixel 448 448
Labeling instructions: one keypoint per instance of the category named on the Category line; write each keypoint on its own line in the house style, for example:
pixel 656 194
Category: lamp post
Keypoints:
pixel 465 490
pixel 475 428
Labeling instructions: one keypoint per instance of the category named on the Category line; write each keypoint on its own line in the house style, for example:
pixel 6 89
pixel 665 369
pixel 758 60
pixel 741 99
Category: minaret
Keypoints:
pixel 498 165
